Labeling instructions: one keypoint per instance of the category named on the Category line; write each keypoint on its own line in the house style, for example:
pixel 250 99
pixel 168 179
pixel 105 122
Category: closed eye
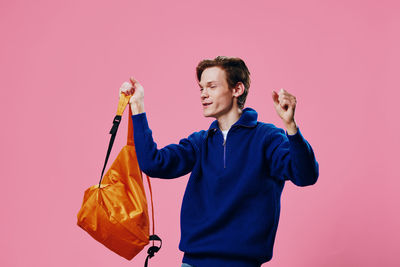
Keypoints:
pixel 213 86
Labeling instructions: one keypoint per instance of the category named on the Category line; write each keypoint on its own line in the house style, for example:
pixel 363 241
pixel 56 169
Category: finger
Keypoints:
pixel 285 97
pixel 133 81
pixel 285 103
pixel 289 95
pixel 282 97
pixel 291 98
pixel 126 87
pixel 284 92
pixel 292 103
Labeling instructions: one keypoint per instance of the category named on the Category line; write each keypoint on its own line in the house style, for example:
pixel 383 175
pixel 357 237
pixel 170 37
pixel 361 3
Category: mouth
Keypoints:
pixel 206 104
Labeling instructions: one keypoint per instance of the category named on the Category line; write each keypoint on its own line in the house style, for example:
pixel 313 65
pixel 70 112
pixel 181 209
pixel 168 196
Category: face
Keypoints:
pixel 216 97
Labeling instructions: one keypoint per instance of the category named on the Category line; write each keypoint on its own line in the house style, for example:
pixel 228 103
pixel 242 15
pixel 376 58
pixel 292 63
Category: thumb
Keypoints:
pixel 275 97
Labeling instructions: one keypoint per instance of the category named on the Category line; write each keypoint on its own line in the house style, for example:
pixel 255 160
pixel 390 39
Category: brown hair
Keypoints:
pixel 235 70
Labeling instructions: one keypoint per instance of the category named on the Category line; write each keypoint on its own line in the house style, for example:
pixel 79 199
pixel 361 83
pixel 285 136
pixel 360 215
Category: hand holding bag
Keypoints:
pixel 115 211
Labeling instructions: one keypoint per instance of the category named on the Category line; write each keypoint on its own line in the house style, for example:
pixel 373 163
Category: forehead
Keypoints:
pixel 212 74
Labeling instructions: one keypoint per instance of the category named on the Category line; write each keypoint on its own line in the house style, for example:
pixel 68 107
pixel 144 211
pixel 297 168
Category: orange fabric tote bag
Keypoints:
pixel 115 211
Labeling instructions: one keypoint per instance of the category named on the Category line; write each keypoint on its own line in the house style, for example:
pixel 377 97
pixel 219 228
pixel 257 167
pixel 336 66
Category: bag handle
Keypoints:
pixel 130 140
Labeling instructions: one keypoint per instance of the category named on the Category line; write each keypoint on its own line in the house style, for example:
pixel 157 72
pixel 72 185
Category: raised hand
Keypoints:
pixel 135 89
pixel 285 106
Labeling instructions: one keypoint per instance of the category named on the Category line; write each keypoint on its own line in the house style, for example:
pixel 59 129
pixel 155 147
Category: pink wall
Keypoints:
pixel 62 63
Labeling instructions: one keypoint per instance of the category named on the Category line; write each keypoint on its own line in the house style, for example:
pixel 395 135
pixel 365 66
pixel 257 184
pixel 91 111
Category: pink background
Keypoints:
pixel 62 63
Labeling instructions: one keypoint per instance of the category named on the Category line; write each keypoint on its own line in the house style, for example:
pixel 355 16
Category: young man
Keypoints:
pixel 231 206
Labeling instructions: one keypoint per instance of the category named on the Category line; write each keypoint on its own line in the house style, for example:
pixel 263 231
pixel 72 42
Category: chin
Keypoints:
pixel 207 114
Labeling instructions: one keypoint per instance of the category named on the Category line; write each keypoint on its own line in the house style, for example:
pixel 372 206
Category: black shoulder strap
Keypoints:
pixel 113 133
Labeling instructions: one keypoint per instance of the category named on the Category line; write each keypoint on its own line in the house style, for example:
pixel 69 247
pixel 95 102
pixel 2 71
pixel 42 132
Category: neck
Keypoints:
pixel 226 120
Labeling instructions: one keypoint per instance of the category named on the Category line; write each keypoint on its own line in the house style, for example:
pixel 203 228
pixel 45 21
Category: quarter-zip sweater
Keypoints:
pixel 231 205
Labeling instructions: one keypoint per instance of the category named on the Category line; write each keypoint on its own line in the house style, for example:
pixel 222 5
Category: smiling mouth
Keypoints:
pixel 206 104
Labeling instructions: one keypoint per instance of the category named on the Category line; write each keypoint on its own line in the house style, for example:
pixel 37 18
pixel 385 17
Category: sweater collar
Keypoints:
pixel 247 119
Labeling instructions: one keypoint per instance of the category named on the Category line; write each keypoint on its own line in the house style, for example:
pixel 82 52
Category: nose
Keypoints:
pixel 203 94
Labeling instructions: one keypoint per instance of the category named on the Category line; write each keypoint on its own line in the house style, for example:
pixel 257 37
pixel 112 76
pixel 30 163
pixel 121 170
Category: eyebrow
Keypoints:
pixel 209 82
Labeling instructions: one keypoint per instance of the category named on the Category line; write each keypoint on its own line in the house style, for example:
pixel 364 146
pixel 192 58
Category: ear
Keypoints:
pixel 238 90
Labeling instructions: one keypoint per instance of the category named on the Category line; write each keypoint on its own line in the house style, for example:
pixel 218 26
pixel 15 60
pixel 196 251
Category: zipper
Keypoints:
pixel 224 150
pixel 224 143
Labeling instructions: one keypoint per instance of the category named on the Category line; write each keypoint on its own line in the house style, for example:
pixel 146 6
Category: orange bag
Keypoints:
pixel 115 211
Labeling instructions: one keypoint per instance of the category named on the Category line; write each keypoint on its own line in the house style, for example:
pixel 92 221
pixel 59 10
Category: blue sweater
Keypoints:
pixel 231 206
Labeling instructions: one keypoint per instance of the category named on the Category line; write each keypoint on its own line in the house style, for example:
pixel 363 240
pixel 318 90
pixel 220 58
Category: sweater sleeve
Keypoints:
pixel 172 161
pixel 291 157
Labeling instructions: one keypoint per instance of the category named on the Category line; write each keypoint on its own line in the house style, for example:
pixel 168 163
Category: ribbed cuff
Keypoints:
pixel 140 121
pixel 295 138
